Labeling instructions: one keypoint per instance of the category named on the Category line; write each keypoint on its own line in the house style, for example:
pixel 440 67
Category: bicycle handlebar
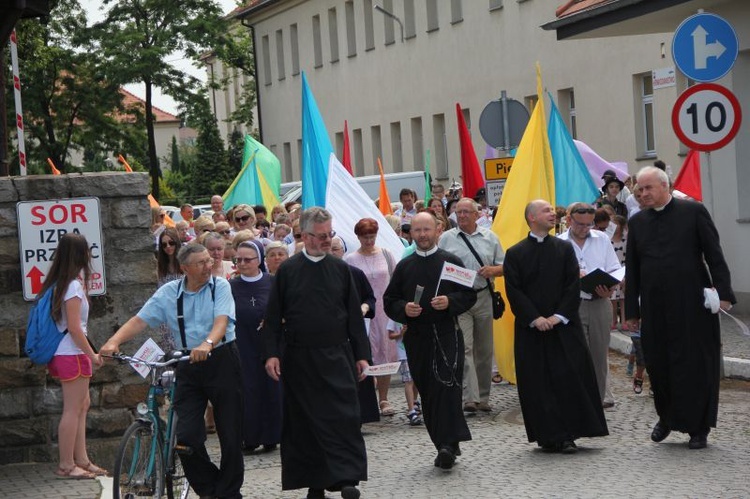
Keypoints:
pixel 134 360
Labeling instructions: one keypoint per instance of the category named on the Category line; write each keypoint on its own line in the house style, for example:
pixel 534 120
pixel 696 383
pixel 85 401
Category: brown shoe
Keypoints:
pixel 484 407
pixel 470 407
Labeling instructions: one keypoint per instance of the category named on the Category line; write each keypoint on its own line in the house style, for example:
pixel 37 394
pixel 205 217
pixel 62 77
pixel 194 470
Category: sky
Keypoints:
pixel 163 102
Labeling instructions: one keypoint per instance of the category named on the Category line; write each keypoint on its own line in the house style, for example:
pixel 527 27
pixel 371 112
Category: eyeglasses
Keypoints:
pixel 323 237
pixel 582 225
pixel 164 244
pixel 242 260
pixel 225 232
pixel 202 263
pixel 297 235
pixel 242 219
pixel 464 212
pixel 583 210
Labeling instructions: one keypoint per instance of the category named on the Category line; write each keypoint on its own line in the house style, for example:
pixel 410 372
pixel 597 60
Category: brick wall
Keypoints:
pixel 31 401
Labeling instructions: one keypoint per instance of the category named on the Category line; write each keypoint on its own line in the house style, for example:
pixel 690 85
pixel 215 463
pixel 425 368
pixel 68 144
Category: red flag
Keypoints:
pixel 471 175
pixel 689 179
pixel 384 203
pixel 55 171
pixel 347 159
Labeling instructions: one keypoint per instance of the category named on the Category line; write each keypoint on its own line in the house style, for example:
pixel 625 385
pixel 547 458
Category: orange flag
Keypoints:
pixel 689 179
pixel 55 171
pixel 124 163
pixel 384 203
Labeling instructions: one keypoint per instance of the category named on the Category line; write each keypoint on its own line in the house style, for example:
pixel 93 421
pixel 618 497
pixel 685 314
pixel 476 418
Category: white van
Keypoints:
pixel 292 191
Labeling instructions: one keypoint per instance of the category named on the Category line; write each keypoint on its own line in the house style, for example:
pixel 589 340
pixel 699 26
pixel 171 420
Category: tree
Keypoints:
pixel 235 148
pixel 175 156
pixel 69 103
pixel 138 36
pixel 210 174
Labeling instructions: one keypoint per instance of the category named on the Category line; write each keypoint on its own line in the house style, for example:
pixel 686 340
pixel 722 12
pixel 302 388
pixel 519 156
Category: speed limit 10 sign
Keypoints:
pixel 706 117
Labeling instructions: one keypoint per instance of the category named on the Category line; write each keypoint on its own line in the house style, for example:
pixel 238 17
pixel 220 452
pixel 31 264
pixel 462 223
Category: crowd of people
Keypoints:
pixel 278 302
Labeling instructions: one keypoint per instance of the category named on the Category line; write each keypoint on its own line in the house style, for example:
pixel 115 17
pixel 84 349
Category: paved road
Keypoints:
pixel 500 463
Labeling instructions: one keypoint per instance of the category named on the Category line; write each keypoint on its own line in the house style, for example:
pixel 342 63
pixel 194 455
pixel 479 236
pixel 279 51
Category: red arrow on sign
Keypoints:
pixel 36 279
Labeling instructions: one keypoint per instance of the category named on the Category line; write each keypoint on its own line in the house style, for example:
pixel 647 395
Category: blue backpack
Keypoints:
pixel 42 336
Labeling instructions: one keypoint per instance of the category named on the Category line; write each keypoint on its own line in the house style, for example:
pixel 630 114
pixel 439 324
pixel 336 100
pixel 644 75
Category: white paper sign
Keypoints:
pixel 458 274
pixel 383 369
pixel 149 352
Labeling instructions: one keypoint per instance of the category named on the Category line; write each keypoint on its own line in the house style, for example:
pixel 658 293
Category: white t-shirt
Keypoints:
pixel 67 346
pixel 396 327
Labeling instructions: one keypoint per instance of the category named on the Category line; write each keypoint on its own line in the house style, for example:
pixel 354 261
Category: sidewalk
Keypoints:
pixel 736 346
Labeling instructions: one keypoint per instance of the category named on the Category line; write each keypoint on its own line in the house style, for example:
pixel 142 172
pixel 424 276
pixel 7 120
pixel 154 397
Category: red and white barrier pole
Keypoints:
pixel 19 109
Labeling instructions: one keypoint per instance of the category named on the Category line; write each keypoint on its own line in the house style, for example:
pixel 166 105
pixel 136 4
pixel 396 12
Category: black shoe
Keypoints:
pixel 660 431
pixel 456 449
pixel 445 458
pixel 316 494
pixel 269 448
pixel 698 440
pixel 349 492
pixel 548 447
pixel 568 447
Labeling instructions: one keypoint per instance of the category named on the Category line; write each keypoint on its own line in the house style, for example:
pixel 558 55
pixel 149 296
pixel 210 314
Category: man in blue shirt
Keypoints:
pixel 206 328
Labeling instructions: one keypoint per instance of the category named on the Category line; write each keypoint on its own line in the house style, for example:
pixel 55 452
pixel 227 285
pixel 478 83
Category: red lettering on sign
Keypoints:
pixel 59 214
pixel 78 210
pixel 37 212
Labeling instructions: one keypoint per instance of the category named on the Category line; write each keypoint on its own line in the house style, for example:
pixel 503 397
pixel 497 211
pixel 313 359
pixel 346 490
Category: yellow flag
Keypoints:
pixel 531 177
pixel 269 197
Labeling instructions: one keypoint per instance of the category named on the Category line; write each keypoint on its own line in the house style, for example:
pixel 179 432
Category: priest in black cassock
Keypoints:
pixel 672 254
pixel 316 344
pixel 434 344
pixel 556 380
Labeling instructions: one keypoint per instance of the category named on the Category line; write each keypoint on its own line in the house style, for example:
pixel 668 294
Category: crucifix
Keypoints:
pixel 252 300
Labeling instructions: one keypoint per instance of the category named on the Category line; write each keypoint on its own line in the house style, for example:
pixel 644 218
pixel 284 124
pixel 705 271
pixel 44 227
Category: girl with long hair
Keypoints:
pixel 167 266
pixel 72 362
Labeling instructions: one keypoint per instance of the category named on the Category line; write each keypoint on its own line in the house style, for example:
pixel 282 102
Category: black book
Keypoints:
pixel 596 277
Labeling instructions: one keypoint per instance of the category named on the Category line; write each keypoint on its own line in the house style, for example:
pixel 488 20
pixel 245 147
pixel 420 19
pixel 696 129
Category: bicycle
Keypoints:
pixel 146 463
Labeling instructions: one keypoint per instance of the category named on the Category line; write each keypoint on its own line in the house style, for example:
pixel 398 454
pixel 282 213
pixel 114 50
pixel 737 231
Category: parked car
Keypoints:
pixel 198 210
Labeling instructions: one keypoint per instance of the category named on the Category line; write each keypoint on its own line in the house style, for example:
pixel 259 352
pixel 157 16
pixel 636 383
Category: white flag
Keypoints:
pixel 458 274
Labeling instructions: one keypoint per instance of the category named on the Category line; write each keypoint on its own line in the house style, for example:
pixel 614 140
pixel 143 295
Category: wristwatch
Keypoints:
pixel 210 342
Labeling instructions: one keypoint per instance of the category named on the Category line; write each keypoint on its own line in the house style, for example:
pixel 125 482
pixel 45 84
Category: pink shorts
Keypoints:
pixel 70 367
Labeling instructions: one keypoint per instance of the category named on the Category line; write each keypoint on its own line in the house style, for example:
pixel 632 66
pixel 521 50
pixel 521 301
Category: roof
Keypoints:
pixel 160 116
pixel 251 7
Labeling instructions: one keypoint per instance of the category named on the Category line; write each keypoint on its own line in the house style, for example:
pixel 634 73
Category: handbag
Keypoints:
pixel 498 304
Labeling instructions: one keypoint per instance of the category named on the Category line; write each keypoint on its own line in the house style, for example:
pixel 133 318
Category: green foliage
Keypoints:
pixel 235 149
pixel 175 156
pixel 210 174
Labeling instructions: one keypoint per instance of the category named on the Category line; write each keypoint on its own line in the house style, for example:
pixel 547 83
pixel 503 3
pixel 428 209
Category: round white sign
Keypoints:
pixel 706 117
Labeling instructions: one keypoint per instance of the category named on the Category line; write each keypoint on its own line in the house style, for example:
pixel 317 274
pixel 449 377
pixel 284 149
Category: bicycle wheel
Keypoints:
pixel 177 483
pixel 139 467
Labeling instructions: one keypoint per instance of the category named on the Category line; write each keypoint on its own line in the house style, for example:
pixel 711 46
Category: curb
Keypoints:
pixel 733 367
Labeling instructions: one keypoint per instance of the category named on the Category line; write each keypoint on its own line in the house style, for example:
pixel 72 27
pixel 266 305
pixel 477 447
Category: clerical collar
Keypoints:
pixel 426 253
pixel 312 258
pixel 254 278
pixel 660 208
pixel 539 239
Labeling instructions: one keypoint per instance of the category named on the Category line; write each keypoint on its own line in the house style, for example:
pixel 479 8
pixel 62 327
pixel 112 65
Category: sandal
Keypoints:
pixel 497 379
pixel 638 385
pixel 414 419
pixel 74 473
pixel 94 469
pixel 386 409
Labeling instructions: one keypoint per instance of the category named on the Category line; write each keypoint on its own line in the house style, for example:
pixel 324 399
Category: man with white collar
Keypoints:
pixel 317 346
pixel 556 381
pixel 594 251
pixel 417 297
pixel 672 255
pixel 476 323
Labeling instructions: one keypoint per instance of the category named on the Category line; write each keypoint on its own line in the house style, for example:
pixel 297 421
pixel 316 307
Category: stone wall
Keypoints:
pixel 31 401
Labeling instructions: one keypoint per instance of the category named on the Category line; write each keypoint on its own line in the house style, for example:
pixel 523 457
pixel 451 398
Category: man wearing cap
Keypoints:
pixel 476 323
pixel 594 251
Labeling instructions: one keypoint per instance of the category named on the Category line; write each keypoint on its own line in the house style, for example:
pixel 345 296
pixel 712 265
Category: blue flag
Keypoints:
pixel 572 180
pixel 316 151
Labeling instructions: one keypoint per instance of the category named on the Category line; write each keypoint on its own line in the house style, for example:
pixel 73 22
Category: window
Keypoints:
pixel 358 153
pixel 417 144
pixel 388 23
pixel 288 161
pixel 566 101
pixel 440 145
pixel 299 155
pixel 496 5
pixel 410 27
pixel 457 14
pixel 295 48
pixel 317 44
pixel 369 29
pixel 396 152
pixel 351 32
pixel 333 34
pixel 645 137
pixel 432 16
pixel 339 139
pixel 572 112
pixel 530 101
pixel 280 54
pixel 266 51
pixel 377 147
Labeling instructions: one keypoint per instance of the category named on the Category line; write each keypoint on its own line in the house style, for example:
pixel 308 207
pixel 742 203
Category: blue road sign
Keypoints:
pixel 705 47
